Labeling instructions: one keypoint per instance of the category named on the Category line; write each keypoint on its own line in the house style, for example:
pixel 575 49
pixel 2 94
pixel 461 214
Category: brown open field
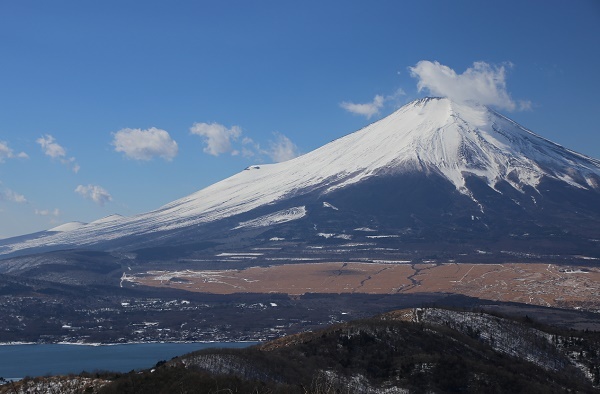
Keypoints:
pixel 538 284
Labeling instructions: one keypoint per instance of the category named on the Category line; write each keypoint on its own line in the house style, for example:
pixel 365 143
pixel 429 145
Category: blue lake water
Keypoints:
pixel 18 361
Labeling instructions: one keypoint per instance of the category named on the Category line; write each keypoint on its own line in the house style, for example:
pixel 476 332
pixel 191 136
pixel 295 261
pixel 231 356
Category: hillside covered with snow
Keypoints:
pixel 432 138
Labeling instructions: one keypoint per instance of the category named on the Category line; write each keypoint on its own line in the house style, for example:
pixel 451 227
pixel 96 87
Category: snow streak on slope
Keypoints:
pixel 286 215
pixel 428 135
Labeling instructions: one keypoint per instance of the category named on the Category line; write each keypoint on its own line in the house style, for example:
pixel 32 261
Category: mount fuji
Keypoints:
pixel 435 179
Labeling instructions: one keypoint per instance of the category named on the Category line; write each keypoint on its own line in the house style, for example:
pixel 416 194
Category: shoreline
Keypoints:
pixel 96 344
pixel 107 357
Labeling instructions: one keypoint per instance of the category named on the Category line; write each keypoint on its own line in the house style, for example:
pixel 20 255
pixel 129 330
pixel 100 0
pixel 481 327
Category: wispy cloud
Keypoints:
pixel 373 107
pixel 483 83
pixel 96 193
pixel 249 148
pixel 220 139
pixel 141 144
pixel 7 153
pixel 217 137
pixel 12 196
pixel 282 148
pixel 52 149
pixel 366 109
pixel 47 212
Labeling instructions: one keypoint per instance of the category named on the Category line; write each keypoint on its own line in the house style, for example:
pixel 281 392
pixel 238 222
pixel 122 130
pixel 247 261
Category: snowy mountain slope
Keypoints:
pixel 286 215
pixel 108 219
pixel 436 137
pixel 69 226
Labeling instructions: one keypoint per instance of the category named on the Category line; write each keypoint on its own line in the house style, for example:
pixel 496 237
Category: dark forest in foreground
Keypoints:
pixel 411 350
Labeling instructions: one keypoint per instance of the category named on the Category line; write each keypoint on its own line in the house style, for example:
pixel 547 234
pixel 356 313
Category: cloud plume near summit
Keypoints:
pixel 483 83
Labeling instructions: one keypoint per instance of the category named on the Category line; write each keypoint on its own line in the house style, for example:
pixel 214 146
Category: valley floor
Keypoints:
pixel 548 285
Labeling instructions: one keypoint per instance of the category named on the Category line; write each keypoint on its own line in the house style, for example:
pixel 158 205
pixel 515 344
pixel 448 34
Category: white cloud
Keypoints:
pixel 95 193
pixel 47 212
pixel 372 108
pixel 483 83
pixel 9 195
pixel 50 147
pixel 367 109
pixel 282 149
pixel 250 148
pixel 217 137
pixel 141 144
pixel 7 153
pixel 525 105
pixel 54 150
pixel 396 95
pixel 220 139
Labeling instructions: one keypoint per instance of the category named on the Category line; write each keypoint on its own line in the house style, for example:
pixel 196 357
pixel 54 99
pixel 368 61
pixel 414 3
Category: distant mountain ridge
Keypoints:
pixel 434 169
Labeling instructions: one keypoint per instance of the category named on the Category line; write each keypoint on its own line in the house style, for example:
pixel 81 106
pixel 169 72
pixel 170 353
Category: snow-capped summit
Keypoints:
pixel 466 146
pixel 456 139
pixel 432 135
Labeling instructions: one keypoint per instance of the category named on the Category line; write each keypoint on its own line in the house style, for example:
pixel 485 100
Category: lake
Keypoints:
pixel 18 361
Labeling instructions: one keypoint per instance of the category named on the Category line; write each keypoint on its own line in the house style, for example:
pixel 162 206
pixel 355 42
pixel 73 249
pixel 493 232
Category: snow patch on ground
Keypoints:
pixel 239 254
pixel 326 235
pixel 383 236
pixel 392 261
pixel 328 205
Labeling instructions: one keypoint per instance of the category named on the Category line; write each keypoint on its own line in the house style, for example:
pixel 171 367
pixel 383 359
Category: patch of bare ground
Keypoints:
pixel 536 284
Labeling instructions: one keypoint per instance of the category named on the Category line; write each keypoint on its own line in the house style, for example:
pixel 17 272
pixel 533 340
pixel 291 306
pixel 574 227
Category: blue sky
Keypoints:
pixel 123 106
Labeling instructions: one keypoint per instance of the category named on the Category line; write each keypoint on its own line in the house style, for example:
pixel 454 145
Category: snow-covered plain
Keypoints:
pixel 428 135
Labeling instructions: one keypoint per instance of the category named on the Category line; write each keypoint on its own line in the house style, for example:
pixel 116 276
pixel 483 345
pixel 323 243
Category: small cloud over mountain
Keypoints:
pixel 96 193
pixel 138 144
pixel 47 212
pixel 373 107
pixel 7 153
pixel 54 150
pixel 282 148
pixel 219 139
pixel 12 196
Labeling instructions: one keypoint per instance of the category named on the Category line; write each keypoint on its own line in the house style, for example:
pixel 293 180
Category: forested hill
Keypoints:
pixel 414 350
